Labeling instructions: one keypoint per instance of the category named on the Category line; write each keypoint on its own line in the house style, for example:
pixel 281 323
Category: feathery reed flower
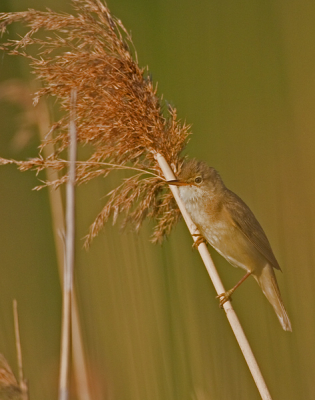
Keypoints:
pixel 118 111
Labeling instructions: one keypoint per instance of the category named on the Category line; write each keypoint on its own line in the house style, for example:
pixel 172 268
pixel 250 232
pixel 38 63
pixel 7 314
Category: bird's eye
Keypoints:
pixel 198 179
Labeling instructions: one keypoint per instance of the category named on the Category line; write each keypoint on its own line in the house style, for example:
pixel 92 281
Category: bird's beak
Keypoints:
pixel 176 182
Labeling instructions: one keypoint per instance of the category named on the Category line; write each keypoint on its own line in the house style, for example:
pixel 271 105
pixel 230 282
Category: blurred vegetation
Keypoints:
pixel 242 73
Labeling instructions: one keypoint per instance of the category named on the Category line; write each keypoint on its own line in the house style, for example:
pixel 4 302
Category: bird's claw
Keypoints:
pixel 200 239
pixel 224 297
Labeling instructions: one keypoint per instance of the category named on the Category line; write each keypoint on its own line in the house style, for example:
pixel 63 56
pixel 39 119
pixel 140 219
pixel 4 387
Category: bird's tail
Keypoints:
pixel 268 283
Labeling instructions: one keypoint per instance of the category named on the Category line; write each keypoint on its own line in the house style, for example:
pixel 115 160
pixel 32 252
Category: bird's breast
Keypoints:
pixel 205 213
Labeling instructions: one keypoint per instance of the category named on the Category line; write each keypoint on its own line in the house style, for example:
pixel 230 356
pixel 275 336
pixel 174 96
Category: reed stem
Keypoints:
pixel 69 258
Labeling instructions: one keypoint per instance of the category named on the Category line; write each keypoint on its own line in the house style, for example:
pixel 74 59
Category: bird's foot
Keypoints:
pixel 200 239
pixel 224 297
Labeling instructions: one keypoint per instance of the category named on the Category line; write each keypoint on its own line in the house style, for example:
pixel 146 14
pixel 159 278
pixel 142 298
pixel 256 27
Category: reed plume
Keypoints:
pixel 9 387
pixel 118 110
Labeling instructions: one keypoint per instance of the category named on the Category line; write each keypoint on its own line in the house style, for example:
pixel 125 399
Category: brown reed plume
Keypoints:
pixel 118 110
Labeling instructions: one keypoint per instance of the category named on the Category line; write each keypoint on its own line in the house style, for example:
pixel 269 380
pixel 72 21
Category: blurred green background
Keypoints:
pixel 243 74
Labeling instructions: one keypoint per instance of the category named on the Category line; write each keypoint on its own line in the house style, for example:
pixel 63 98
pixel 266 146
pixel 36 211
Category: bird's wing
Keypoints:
pixel 246 222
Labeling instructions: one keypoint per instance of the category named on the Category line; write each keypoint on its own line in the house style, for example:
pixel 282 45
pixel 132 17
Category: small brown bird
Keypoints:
pixel 228 224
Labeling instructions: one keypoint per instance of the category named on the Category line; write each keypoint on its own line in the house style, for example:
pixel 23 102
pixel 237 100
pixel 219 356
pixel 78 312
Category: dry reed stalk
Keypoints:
pixel 119 113
pixel 80 370
pixel 65 350
pixel 17 92
pixel 22 381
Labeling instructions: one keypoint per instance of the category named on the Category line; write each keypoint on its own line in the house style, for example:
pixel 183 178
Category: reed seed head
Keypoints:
pixel 118 111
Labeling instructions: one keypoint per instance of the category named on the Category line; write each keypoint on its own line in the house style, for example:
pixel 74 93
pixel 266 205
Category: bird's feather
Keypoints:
pixel 243 218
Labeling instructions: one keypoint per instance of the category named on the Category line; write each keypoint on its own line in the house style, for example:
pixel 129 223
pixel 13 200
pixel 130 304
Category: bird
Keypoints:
pixel 230 227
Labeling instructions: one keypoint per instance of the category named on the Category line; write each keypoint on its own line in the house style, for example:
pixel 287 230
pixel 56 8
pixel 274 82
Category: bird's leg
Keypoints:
pixel 226 296
pixel 200 239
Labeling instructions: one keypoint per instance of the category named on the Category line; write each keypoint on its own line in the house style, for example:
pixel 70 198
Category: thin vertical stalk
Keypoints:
pixel 58 221
pixel 69 257
pixel 22 382
pixel 214 276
